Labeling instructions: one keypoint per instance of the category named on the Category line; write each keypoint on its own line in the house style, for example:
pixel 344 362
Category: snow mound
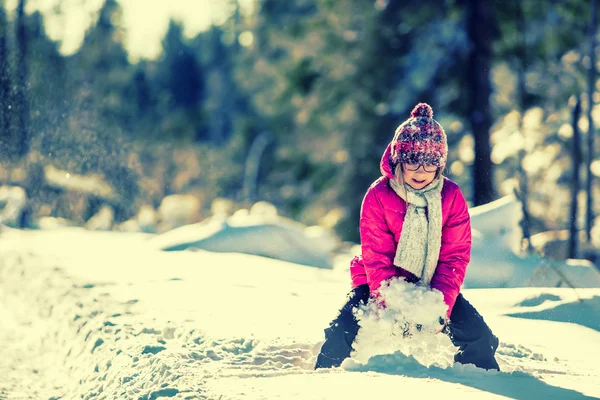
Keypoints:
pixel 583 311
pixel 13 200
pixel 497 262
pixel 498 219
pixel 259 234
pixel 538 299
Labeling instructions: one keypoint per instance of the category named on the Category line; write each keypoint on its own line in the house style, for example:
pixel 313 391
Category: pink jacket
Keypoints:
pixel 381 218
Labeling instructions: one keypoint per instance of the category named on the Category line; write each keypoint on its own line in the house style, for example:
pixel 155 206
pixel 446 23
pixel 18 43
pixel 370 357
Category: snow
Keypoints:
pixel 406 305
pixel 259 231
pixel 13 200
pixel 92 314
pixel 496 261
pixel 93 184
pixel 495 257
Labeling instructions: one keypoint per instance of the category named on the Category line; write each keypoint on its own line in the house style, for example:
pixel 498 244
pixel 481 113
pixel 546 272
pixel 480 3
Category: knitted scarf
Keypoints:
pixel 419 246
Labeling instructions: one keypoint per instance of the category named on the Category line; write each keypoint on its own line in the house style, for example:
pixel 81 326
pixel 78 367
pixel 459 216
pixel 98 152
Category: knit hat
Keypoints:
pixel 419 140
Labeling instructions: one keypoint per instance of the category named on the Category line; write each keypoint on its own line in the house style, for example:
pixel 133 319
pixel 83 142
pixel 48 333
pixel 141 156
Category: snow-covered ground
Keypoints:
pixel 106 315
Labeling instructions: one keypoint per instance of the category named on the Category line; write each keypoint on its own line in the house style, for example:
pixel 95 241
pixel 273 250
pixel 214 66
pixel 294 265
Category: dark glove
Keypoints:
pixel 444 325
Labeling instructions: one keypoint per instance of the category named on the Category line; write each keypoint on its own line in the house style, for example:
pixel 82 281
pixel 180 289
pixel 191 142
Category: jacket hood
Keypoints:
pixel 385 164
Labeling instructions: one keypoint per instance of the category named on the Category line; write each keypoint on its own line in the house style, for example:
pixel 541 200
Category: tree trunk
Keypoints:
pixel 479 30
pixel 575 185
pixel 589 217
pixel 5 131
pixel 251 172
pixel 22 145
pixel 521 93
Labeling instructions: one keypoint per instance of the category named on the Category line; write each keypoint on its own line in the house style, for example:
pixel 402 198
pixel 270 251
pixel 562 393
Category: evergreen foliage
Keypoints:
pixel 323 82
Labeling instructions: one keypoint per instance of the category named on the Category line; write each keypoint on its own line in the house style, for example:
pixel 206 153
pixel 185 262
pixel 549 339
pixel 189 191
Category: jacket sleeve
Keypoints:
pixel 377 242
pixel 455 252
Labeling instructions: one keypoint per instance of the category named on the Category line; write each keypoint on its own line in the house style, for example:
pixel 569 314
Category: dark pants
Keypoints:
pixel 467 330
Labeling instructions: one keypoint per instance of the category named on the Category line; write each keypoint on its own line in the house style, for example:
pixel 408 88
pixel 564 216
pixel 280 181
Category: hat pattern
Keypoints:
pixel 419 140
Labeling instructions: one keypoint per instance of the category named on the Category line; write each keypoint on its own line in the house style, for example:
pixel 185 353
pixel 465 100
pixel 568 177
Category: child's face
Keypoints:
pixel 419 178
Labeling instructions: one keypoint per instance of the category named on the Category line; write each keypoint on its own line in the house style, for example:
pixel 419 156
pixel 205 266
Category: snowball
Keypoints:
pixel 408 324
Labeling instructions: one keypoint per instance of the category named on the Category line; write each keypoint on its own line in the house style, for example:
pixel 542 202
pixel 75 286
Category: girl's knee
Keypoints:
pixel 494 341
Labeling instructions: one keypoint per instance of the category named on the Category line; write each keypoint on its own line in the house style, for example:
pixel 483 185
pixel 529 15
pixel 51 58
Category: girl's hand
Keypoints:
pixel 443 323
pixel 378 298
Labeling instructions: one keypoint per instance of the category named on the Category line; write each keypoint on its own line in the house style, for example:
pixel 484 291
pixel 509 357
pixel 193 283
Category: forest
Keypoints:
pixel 292 102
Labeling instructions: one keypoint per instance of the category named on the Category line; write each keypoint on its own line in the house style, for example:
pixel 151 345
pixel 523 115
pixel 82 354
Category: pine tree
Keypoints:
pixel 5 111
pixel 22 86
pixel 480 22
pixel 184 81
pixel 101 73
pixel 48 97
pixel 101 113
pixel 221 90
pixel 180 89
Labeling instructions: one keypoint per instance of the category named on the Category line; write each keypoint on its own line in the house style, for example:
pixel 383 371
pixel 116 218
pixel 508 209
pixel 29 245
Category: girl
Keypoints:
pixel 414 224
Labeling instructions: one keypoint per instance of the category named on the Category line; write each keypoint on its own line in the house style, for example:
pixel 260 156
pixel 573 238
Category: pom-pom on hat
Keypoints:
pixel 419 140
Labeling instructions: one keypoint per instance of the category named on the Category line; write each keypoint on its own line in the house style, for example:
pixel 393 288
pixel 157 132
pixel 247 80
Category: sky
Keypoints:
pixel 145 21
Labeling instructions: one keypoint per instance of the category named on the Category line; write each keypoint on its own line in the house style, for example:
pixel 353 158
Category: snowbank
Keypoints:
pixel 495 258
pixel 120 329
pixel 257 232
pixel 104 315
pixel 13 201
